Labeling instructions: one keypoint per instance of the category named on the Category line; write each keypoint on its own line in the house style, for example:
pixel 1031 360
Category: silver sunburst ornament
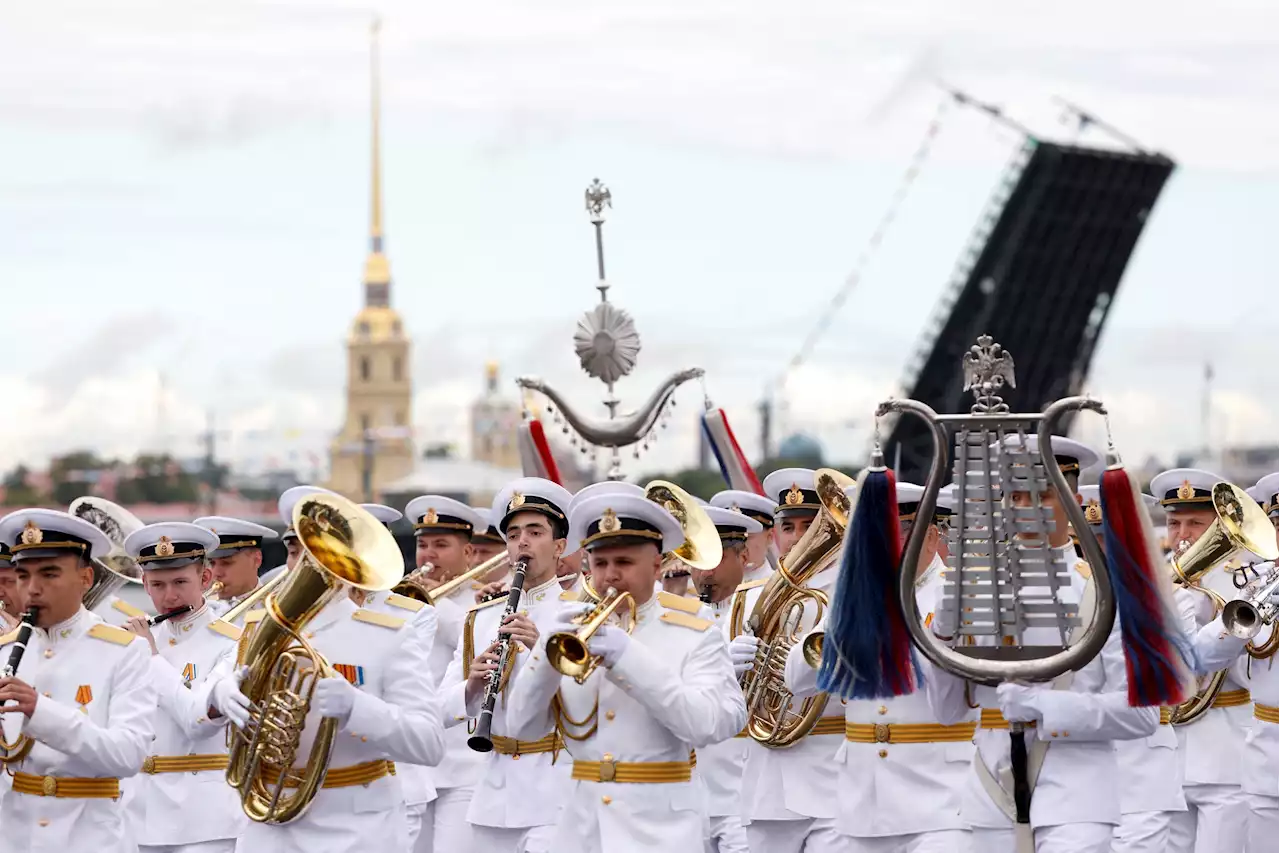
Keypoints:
pixel 607 344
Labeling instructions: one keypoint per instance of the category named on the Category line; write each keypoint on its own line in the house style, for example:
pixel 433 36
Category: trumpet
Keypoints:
pixel 1247 615
pixel 414 585
pixel 568 651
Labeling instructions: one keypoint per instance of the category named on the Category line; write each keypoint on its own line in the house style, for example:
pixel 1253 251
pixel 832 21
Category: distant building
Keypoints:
pixel 799 447
pixel 375 445
pixel 495 421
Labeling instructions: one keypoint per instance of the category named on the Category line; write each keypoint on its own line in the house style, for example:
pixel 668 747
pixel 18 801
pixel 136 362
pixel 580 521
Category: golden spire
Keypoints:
pixel 377 272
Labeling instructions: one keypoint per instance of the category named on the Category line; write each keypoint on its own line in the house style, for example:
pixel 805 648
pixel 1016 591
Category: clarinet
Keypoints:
pixel 481 741
pixel 20 644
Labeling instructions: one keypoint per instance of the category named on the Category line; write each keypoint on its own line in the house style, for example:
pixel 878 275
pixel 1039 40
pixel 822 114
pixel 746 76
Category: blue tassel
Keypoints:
pixel 866 652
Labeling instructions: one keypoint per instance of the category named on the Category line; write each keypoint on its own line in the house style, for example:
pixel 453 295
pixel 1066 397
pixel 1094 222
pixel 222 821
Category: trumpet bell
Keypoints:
pixel 568 651
pixel 701 548
pixel 1241 525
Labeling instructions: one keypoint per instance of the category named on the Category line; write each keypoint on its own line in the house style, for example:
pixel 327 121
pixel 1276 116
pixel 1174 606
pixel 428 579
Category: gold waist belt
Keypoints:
pixel 1231 698
pixel 609 770
pixel 908 732
pixel 1266 713
pixel 516 748
pixel 1164 716
pixel 338 777
pixel 66 787
pixel 993 719
pixel 183 763
pixel 829 726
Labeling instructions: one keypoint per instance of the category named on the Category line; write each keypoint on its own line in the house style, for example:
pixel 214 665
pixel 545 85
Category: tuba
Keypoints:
pixel 116 568
pixel 781 617
pixel 414 585
pixel 1241 525
pixel 342 546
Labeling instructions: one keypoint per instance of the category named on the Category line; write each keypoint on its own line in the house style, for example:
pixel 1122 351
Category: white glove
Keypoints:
pixel 335 697
pixel 944 623
pixel 609 643
pixel 742 651
pixel 229 701
pixel 563 622
pixel 1018 703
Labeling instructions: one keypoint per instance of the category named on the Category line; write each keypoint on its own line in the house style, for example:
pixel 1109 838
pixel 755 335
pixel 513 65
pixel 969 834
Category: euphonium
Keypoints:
pixel 1240 525
pixel 567 650
pixel 342 546
pixel 414 585
pixel 116 568
pixel 786 608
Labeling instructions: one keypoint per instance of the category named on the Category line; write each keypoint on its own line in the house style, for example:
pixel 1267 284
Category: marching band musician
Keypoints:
pixel 238 559
pixel 761 509
pixel 720 765
pixel 486 544
pixel 180 802
pixel 787 792
pixel 1150 768
pixel 442 529
pixel 12 601
pixel 387 711
pixel 82 695
pixel 660 691
pixel 1075 801
pixel 1210 746
pixel 895 753
pixel 522 786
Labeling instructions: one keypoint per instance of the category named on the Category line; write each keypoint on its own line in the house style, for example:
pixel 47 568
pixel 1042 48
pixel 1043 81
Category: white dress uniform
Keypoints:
pixel 630 727
pixel 93 715
pixel 1211 746
pixel 754 506
pixel 787 792
pixel 524 782
pixel 901 773
pixel 180 802
pixel 1076 800
pixel 443 821
pixel 396 717
pixel 235 535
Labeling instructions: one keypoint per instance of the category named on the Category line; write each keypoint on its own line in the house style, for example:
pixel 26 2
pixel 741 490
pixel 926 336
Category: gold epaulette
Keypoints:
pixel 9 637
pixel 500 598
pixel 126 608
pixel 1083 568
pixel 679 602
pixel 684 620
pixel 569 595
pixel 226 629
pixel 404 602
pixel 382 620
pixel 254 616
pixel 743 587
pixel 111 634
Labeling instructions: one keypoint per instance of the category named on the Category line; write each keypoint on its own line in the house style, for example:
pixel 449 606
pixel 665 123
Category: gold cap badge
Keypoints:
pixel 432 517
pixel 164 548
pixel 794 496
pixel 1093 512
pixel 735 508
pixel 32 534
pixel 1185 492
pixel 609 522
pixel 517 501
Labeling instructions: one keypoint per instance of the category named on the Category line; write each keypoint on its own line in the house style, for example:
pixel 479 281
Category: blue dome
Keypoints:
pixel 801 447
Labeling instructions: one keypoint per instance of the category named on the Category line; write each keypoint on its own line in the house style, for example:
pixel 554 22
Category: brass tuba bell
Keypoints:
pixel 781 618
pixel 116 568
pixel 342 546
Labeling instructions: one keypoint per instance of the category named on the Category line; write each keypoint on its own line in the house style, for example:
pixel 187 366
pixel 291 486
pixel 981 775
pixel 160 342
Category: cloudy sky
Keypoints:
pixel 184 204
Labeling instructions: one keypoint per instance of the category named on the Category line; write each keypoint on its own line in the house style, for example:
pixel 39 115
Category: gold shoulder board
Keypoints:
pixel 679 602
pixel 254 616
pixel 404 602
pixel 743 587
pixel 569 595
pixel 111 634
pixel 126 608
pixel 684 620
pixel 226 629
pixel 500 598
pixel 9 637
pixel 373 617
pixel 1082 567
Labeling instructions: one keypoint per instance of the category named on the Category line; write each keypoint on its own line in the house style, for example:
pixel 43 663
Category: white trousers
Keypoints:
pixel 1264 824
pixel 941 841
pixel 1143 832
pixel 728 835
pixel 524 839
pixel 809 835
pixel 221 845
pixel 420 815
pixel 1214 822
pixel 1066 838
pixel 450 829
